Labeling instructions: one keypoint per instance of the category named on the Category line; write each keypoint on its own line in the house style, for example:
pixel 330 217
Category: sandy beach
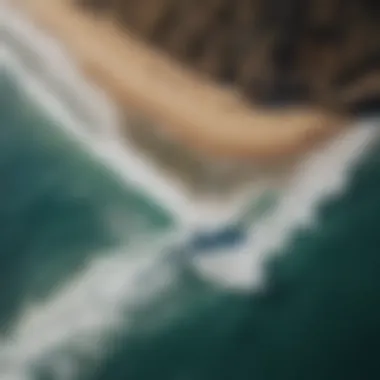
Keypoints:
pixel 201 115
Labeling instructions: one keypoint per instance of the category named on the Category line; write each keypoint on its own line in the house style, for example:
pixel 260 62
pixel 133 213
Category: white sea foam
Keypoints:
pixel 57 67
pixel 124 163
pixel 77 320
pixel 322 175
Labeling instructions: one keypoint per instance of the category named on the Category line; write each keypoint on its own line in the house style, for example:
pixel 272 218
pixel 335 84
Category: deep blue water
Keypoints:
pixel 318 318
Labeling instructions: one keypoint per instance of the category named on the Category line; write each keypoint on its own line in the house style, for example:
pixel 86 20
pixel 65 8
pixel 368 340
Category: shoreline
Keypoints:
pixel 126 160
pixel 202 116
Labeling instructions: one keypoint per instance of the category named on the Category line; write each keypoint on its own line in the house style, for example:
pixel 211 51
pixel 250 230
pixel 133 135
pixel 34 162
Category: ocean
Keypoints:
pixel 100 281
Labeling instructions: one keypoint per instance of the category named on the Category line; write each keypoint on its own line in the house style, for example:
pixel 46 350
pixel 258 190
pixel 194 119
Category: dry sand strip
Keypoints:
pixel 201 115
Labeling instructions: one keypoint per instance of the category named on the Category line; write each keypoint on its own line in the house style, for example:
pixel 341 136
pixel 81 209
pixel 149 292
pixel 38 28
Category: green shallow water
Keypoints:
pixel 318 319
pixel 59 205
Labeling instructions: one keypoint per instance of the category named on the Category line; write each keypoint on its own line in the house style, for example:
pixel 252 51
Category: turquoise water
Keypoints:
pixel 60 207
pixel 317 318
